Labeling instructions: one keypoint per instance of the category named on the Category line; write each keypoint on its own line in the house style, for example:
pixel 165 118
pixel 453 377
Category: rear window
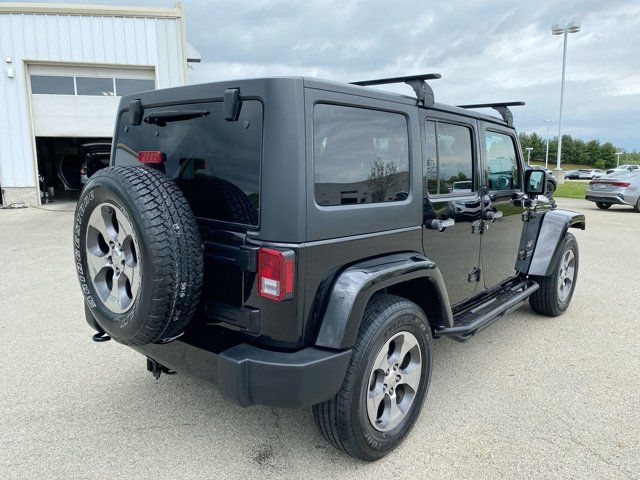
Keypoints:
pixel 215 162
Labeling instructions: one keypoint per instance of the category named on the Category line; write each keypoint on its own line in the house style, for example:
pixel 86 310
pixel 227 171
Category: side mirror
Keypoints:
pixel 535 182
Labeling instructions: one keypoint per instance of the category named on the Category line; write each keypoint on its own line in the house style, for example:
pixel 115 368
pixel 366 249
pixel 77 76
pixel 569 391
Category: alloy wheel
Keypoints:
pixel 394 381
pixel 112 257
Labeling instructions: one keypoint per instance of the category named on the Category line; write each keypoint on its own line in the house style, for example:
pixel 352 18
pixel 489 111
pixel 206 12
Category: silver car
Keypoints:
pixel 590 173
pixel 619 188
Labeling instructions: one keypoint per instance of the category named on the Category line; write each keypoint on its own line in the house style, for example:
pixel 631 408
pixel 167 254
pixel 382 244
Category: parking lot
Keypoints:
pixel 529 396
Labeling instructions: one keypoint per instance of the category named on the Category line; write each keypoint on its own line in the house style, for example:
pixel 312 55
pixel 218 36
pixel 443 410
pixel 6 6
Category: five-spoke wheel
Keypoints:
pixel 566 275
pixel 394 381
pixel 112 257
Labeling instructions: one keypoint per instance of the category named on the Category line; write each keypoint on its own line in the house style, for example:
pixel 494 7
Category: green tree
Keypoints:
pixel 593 152
pixel 608 154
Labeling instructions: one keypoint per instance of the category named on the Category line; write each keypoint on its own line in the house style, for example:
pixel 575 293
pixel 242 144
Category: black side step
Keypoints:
pixel 475 319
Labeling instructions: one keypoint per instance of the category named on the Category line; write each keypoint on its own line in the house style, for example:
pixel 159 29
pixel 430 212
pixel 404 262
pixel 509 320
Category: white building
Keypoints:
pixel 64 68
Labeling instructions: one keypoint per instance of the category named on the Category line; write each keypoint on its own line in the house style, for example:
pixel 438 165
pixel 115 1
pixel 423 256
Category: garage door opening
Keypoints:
pixel 64 164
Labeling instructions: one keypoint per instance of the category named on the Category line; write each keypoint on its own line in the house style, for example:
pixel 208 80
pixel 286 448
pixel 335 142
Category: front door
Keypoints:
pixel 502 177
pixel 450 183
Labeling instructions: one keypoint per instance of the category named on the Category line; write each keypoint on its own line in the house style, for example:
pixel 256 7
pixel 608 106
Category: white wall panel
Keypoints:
pixel 109 39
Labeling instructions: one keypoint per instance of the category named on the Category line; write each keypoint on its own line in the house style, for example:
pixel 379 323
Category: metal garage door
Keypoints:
pixel 81 101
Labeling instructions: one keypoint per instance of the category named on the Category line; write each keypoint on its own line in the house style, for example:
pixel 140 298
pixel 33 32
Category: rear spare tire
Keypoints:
pixel 138 254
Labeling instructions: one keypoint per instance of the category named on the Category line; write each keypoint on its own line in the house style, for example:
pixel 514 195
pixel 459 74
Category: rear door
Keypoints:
pixel 450 182
pixel 502 177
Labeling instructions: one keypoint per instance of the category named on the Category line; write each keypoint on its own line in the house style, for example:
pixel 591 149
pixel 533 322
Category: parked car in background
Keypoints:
pixel 75 170
pixel 591 173
pixel 624 168
pixel 572 174
pixel 96 158
pixel 621 188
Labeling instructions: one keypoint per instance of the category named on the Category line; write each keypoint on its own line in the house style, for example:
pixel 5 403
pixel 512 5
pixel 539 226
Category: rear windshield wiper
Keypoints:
pixel 163 117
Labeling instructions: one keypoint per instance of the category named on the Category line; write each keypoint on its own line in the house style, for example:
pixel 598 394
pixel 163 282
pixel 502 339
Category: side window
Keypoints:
pixel 360 155
pixel 502 169
pixel 448 167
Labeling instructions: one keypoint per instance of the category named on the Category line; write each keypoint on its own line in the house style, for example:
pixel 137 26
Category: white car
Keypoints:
pixel 590 174
pixel 623 168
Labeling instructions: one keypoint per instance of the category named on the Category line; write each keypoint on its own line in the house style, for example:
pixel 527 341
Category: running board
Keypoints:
pixel 471 321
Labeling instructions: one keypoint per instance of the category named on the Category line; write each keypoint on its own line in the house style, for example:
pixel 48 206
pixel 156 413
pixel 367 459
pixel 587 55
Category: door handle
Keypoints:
pixel 441 225
pixel 493 216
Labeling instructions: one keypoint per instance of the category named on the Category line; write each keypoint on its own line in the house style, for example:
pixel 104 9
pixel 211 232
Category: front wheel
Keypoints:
pixel 556 290
pixel 385 384
pixel 550 188
pixel 602 205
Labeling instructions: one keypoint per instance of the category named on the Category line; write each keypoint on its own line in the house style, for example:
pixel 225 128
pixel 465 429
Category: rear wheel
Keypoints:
pixel 556 290
pixel 602 205
pixel 637 207
pixel 385 384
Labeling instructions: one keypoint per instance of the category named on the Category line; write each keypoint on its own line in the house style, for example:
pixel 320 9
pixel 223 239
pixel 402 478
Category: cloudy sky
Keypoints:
pixel 486 50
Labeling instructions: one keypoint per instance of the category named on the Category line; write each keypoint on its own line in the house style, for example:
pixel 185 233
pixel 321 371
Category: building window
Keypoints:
pixel 129 86
pixel 360 155
pixel 448 167
pixel 95 86
pixel 502 169
pixel 52 85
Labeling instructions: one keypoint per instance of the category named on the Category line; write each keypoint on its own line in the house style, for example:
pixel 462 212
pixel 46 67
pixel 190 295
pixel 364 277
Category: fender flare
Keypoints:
pixel 553 229
pixel 353 287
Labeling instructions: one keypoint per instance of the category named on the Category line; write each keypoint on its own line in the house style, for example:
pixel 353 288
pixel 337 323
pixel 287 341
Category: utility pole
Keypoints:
pixel 546 157
pixel 528 149
pixel 572 27
pixel 618 155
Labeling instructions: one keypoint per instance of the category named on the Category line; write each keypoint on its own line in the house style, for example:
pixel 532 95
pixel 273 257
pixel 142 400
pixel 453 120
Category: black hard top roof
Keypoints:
pixel 207 90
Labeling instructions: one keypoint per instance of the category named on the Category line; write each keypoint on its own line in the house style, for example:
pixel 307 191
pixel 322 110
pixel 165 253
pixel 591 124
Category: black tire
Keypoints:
pixel 546 300
pixel 169 253
pixel 603 206
pixel 637 207
pixel 343 420
pixel 550 188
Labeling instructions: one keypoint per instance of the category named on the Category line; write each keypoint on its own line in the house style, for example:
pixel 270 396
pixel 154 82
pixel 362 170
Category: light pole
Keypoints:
pixel 546 157
pixel 572 27
pixel 528 149
pixel 618 155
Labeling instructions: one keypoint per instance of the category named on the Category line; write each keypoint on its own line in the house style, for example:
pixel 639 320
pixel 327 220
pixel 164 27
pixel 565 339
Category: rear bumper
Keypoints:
pixel 601 197
pixel 249 375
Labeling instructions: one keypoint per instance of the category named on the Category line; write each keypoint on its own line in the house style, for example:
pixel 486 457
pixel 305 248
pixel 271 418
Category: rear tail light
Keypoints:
pixel 275 274
pixel 615 183
pixel 151 156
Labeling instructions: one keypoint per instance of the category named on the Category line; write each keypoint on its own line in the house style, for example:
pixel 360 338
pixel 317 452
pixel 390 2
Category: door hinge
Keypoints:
pixel 474 275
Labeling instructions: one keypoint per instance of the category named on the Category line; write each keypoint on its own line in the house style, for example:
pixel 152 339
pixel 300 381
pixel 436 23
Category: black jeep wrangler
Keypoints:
pixel 301 242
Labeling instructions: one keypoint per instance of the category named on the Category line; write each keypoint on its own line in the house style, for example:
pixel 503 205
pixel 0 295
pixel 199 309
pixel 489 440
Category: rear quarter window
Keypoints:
pixel 360 155
pixel 215 162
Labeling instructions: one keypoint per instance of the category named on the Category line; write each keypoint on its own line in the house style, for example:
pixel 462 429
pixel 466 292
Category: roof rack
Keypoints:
pixel 501 108
pixel 417 82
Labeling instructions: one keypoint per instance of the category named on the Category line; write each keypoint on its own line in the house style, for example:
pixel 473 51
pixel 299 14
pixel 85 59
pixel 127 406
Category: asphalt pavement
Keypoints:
pixel 529 397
